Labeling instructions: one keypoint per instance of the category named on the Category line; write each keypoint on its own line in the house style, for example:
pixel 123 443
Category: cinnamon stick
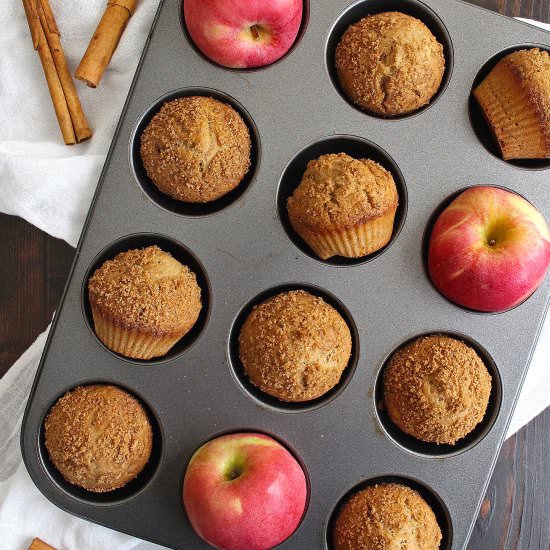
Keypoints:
pixel 80 124
pixel 38 544
pixel 104 41
pixel 64 96
pixel 52 78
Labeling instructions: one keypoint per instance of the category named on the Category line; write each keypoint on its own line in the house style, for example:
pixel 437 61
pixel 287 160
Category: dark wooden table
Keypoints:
pixel 516 511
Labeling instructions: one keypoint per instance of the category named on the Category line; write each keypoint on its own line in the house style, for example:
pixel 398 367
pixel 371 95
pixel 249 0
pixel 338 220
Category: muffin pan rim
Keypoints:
pixel 69 489
pixel 400 214
pixel 475 111
pixel 484 427
pixel 202 321
pixel 448 50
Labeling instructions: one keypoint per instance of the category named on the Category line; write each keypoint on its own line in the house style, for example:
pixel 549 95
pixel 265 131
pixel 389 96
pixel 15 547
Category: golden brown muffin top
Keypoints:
pixel 146 289
pixel 436 389
pixel 294 346
pixel 390 63
pixel 196 149
pixel 338 192
pixel 531 68
pixel 98 437
pixel 388 516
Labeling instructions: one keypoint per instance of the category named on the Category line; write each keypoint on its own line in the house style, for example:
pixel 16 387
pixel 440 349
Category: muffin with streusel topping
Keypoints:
pixel 386 516
pixel 344 206
pixel 295 346
pixel 390 64
pixel 436 389
pixel 98 437
pixel 196 149
pixel 143 301
pixel 515 100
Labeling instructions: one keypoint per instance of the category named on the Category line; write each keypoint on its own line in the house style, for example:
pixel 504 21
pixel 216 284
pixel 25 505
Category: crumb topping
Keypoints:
pixel 295 346
pixel 339 192
pixel 146 289
pixel 387 516
pixel 196 149
pixel 98 437
pixel 436 389
pixel 390 63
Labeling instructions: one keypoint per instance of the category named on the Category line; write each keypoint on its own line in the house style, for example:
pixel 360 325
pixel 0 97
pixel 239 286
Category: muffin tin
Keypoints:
pixel 243 249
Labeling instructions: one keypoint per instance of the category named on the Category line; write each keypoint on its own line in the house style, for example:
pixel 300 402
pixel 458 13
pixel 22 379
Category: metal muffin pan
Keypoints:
pixel 243 248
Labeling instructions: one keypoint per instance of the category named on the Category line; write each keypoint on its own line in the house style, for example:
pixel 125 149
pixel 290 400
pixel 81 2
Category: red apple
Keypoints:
pixel 244 491
pixel 489 249
pixel 243 34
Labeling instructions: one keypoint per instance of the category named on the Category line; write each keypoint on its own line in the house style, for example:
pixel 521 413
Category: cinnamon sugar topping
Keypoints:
pixel 436 389
pixel 98 437
pixel 147 290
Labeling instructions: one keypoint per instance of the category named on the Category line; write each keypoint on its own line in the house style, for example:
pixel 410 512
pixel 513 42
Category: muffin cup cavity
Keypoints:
pixel 414 8
pixel 132 488
pixel 433 450
pixel 477 119
pixel 188 208
pixel 355 147
pixel 267 400
pixel 426 247
pixel 180 253
pixel 429 495
pixel 299 36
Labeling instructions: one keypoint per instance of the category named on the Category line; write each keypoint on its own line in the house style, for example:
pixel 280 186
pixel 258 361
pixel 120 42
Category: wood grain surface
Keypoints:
pixel 516 511
pixel 531 9
pixel 33 271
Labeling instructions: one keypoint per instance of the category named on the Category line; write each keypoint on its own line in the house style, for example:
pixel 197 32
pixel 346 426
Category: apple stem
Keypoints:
pixel 492 242
pixel 255 32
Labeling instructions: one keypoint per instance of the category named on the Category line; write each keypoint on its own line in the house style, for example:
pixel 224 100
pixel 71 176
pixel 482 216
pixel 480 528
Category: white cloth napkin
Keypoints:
pixel 44 181
pixel 51 186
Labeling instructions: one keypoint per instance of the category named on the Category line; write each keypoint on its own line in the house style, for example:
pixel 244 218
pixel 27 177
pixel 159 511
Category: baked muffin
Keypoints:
pixel 98 437
pixel 515 101
pixel 344 206
pixel 294 346
pixel 436 389
pixel 388 516
pixel 143 301
pixel 390 64
pixel 196 149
